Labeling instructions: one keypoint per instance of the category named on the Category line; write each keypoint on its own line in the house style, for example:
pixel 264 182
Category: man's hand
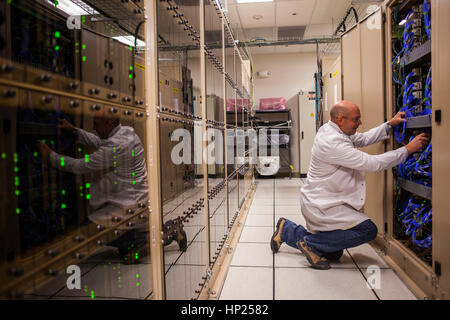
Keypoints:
pixel 43 150
pixel 400 117
pixel 66 125
pixel 418 143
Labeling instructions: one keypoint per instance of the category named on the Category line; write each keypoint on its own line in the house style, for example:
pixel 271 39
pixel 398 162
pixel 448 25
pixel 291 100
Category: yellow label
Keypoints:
pixel 140 66
pixel 175 90
pixel 335 73
pixel 312 115
pixel 292 168
pixel 161 82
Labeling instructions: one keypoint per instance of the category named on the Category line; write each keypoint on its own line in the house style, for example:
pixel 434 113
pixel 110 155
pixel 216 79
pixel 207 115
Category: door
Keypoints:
pixel 307 129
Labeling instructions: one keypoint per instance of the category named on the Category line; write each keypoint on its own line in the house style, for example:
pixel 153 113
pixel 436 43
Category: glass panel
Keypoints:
pixel 215 105
pixel 74 217
pixel 181 146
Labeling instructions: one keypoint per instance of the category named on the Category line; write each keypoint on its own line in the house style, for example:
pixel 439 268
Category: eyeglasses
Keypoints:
pixel 356 120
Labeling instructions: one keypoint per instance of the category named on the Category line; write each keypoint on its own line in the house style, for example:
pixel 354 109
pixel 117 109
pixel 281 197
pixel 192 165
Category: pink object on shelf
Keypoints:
pixel 233 104
pixel 272 104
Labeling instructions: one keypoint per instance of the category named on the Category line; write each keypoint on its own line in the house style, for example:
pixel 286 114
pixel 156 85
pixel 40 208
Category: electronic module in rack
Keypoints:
pixel 412 75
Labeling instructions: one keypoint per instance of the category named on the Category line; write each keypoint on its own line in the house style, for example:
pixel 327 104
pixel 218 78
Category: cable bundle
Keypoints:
pixel 426 18
pixel 427 98
pixel 417 170
pixel 415 215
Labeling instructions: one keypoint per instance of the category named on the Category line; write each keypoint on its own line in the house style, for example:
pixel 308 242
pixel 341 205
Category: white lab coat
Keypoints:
pixel 117 169
pixel 335 188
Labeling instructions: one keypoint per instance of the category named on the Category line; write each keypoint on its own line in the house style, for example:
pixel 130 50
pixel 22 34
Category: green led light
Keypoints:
pixel 133 174
pixel 3 155
pixel 35 154
pixel 131 67
pixel 84 58
pixel 63 206
pixel 114 164
pixel 130 76
pixel 16 169
pixel 79 149
pixel 77 44
pixel 62 162
pixel 131 48
pixel 134 181
pixel 88 196
pixel 92 295
pixel 83 19
pixel 44 141
pixel 83 47
pixel 17 193
pixel 63 192
pixel 57 34
pixel 132 153
pixel 114 149
pixel 86 158
pixel 137 257
pixel 115 182
pixel 138 284
pixel 88 185
pixel 18 211
pixel 82 195
pixel 137 276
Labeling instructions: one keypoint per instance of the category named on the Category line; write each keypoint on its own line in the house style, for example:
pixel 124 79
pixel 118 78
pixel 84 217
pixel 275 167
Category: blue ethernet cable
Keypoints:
pixel 426 16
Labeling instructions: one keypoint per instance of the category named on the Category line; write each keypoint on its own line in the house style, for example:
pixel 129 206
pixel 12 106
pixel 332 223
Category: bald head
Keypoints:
pixel 342 108
pixel 347 116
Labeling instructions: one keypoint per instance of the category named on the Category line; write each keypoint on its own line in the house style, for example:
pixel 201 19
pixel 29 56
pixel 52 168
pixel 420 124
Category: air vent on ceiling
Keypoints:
pixel 291 33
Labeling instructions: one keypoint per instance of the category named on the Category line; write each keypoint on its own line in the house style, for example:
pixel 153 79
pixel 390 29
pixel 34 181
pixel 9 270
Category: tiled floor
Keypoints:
pixel 256 274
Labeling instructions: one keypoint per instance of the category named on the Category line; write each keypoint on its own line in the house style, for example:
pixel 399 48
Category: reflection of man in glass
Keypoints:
pixel 117 171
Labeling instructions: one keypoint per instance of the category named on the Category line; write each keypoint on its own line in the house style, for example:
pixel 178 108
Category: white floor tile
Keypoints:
pixel 391 287
pixel 311 284
pixel 247 283
pixel 252 254
pixel 260 209
pixel 287 209
pixel 256 234
pixel 259 220
pixel 365 255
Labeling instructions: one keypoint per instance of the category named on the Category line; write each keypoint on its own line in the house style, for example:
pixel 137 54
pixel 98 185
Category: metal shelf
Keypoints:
pixel 418 189
pixel 418 54
pixel 419 122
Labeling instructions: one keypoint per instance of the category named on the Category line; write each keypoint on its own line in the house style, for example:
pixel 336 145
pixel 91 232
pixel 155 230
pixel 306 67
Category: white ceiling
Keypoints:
pixel 321 18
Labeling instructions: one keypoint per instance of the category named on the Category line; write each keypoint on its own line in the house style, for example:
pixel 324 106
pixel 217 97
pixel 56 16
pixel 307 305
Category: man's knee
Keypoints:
pixel 372 230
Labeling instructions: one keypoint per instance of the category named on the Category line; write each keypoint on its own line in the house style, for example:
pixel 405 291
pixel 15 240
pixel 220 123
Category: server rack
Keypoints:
pixel 77 68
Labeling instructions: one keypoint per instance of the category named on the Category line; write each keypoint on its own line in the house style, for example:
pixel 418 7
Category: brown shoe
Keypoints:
pixel 316 262
pixel 275 242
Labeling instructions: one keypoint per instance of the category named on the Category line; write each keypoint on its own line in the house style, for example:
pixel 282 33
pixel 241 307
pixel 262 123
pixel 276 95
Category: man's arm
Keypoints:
pixel 372 136
pixel 99 160
pixel 346 155
pixel 379 133
pixel 83 137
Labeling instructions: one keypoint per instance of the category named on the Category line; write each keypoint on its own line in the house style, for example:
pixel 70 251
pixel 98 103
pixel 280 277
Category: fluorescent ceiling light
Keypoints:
pixel 129 41
pixel 253 1
pixel 71 8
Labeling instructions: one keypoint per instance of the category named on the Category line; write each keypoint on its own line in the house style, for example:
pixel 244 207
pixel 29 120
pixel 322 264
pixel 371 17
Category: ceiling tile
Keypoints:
pixel 327 11
pixel 302 9
pixel 248 11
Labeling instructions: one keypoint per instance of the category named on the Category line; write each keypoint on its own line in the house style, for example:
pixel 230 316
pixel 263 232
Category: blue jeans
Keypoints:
pixel 329 244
